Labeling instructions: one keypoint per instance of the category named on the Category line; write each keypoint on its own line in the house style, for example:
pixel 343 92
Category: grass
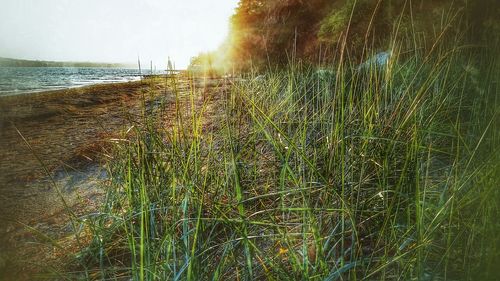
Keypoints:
pixel 384 173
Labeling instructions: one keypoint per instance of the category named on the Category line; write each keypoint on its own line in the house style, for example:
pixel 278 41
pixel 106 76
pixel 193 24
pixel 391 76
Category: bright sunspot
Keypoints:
pixel 113 30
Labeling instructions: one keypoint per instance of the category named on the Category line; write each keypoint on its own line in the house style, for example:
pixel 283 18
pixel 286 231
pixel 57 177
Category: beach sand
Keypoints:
pixel 58 136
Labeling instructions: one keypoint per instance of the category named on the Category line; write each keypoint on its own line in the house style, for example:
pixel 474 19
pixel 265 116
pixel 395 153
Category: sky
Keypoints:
pixel 113 30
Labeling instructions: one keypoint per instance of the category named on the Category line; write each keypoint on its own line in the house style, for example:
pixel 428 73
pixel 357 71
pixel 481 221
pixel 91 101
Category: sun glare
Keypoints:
pixel 113 30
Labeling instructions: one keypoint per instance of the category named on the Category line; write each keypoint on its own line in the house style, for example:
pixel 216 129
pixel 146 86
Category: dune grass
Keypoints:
pixel 389 172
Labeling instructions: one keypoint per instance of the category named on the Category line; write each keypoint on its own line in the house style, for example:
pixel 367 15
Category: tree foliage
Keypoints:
pixel 273 32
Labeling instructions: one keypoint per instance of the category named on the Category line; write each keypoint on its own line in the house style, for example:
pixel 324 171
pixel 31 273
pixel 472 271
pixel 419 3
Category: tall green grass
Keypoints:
pixel 383 173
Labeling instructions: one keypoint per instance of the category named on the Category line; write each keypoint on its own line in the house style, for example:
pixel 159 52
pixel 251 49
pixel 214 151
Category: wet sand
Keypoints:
pixel 67 132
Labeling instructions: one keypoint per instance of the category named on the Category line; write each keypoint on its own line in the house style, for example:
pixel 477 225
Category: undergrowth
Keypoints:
pixel 381 172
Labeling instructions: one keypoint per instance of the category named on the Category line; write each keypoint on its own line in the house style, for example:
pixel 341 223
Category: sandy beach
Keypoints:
pixel 56 137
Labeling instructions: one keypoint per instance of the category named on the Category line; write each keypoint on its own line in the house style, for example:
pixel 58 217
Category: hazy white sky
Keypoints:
pixel 112 30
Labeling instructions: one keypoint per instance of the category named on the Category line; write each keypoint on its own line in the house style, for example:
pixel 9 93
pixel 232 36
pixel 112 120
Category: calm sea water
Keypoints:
pixel 20 80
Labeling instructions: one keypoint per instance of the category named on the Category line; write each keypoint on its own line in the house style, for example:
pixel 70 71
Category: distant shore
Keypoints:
pixel 10 62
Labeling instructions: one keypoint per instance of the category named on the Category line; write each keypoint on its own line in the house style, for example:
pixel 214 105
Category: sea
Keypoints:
pixel 23 80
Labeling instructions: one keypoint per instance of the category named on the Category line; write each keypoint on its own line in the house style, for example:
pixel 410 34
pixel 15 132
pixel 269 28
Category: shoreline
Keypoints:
pixel 22 80
pixel 41 91
pixel 62 89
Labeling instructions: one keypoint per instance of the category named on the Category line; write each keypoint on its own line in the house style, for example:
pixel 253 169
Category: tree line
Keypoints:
pixel 274 32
